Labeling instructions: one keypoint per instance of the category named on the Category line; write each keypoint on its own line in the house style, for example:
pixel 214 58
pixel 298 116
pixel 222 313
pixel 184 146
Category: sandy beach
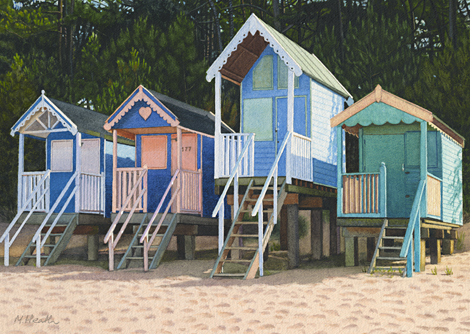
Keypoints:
pixel 178 297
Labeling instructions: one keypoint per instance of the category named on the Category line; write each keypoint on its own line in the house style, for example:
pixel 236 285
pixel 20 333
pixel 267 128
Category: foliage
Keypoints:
pixel 449 271
pixel 434 271
pixel 460 241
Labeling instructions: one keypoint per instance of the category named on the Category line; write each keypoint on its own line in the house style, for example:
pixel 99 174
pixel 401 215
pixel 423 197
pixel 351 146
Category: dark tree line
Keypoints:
pixel 95 53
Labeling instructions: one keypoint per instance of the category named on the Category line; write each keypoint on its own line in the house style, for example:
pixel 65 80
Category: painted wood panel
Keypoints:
pixel 452 181
pixel 154 151
pixel 189 152
pixel 433 196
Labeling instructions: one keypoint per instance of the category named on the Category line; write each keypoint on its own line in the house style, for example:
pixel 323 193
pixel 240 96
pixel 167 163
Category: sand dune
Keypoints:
pixel 179 297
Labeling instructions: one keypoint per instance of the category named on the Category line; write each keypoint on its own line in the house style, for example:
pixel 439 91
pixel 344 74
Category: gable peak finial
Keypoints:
pixel 43 92
pixel 378 93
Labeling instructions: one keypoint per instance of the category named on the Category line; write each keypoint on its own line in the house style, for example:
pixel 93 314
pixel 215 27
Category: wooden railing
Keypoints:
pixel 92 192
pixel 126 180
pixel 433 195
pixel 231 146
pixel 191 201
pixel 30 180
pixel 301 157
pixel 364 194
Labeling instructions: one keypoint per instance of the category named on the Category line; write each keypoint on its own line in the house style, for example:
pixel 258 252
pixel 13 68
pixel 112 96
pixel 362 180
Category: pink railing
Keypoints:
pixel 191 201
pixel 361 193
pixel 126 180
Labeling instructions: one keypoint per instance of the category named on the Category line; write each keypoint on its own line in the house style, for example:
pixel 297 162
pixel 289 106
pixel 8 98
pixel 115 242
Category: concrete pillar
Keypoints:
pixel 326 233
pixel 283 228
pixel 435 250
pixel 349 251
pixel 447 246
pixel 316 234
pixel 362 250
pixel 186 247
pixel 293 252
pixel 93 247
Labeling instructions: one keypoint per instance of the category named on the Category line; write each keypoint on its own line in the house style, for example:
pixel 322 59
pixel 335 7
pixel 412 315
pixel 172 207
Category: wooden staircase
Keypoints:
pixel 387 252
pixel 134 252
pixel 245 230
pixel 58 240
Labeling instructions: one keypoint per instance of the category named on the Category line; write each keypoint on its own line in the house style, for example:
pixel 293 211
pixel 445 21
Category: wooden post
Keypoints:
pixel 423 255
pixel 186 247
pixel 447 246
pixel 334 249
pixel 93 246
pixel 435 250
pixel 115 153
pixel 6 255
pixel 218 122
pixel 349 251
pixel 78 167
pixel 283 228
pixel 179 143
pixel 260 239
pixel 316 234
pixel 111 252
pixel 290 123
pixel 293 253
pixel 325 225
pixel 339 168
pixel 20 170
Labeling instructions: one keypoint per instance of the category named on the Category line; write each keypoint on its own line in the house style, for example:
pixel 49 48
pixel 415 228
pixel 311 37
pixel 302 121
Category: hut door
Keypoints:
pixel 191 176
pixel 90 185
pixel 391 150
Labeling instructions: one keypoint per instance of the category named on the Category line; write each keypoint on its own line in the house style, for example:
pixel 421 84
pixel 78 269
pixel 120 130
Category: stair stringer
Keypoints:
pixel 164 242
pixel 229 241
pixel 63 240
pixel 253 268
pixel 132 243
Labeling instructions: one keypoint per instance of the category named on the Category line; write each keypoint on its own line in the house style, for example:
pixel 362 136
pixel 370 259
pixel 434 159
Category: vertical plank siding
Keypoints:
pixel 451 182
pixel 91 192
pixel 433 196
pixel 361 193
pixel 301 157
pixel 191 190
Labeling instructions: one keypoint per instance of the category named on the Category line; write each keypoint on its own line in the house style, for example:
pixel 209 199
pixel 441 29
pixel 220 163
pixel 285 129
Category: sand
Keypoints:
pixel 178 297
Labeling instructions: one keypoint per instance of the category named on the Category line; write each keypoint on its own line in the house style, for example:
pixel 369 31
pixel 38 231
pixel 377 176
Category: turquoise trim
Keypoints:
pixel 339 168
pixel 423 170
pixel 379 114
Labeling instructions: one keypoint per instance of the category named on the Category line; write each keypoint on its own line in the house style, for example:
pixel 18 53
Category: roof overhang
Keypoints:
pixel 245 48
pixel 38 108
pixel 349 120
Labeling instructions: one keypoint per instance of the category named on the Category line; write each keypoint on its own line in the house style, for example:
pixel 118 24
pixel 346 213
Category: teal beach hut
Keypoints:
pixel 407 193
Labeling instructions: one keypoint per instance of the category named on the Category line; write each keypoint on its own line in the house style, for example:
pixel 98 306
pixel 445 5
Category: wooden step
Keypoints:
pixel 248 223
pixel 393 238
pixel 244 235
pixel 256 199
pixel 137 258
pixel 242 248
pixel 396 227
pixel 390 248
pixel 237 261
pixel 390 268
pixel 52 234
pixel 241 275
pixel 264 210
pixel 261 187
pixel 142 246
pixel 391 258
pixel 34 256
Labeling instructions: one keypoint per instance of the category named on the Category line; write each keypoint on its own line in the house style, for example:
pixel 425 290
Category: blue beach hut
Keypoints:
pixel 71 191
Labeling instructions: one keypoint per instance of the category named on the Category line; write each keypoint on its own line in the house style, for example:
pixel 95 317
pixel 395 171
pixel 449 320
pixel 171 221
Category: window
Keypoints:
pixel 90 159
pixel 282 72
pixel 258 118
pixel 154 151
pixel 263 73
pixel 62 155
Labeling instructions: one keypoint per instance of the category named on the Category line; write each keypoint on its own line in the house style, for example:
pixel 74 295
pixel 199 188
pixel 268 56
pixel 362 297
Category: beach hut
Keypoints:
pixel 408 189
pixel 285 156
pixel 69 196
pixel 170 190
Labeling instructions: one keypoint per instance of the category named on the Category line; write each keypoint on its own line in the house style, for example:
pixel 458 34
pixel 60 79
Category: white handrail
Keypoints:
pixel 149 225
pixel 26 203
pixel 121 211
pixel 271 173
pixel 232 174
pixel 56 203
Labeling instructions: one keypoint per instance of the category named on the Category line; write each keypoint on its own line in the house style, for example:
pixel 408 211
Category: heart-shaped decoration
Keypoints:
pixel 145 112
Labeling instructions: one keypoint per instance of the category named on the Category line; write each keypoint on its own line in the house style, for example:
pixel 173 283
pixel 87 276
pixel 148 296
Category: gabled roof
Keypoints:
pixel 73 118
pixel 174 112
pixel 350 120
pixel 250 41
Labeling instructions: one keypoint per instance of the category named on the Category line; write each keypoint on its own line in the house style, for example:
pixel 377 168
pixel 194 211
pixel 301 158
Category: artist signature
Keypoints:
pixel 31 319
